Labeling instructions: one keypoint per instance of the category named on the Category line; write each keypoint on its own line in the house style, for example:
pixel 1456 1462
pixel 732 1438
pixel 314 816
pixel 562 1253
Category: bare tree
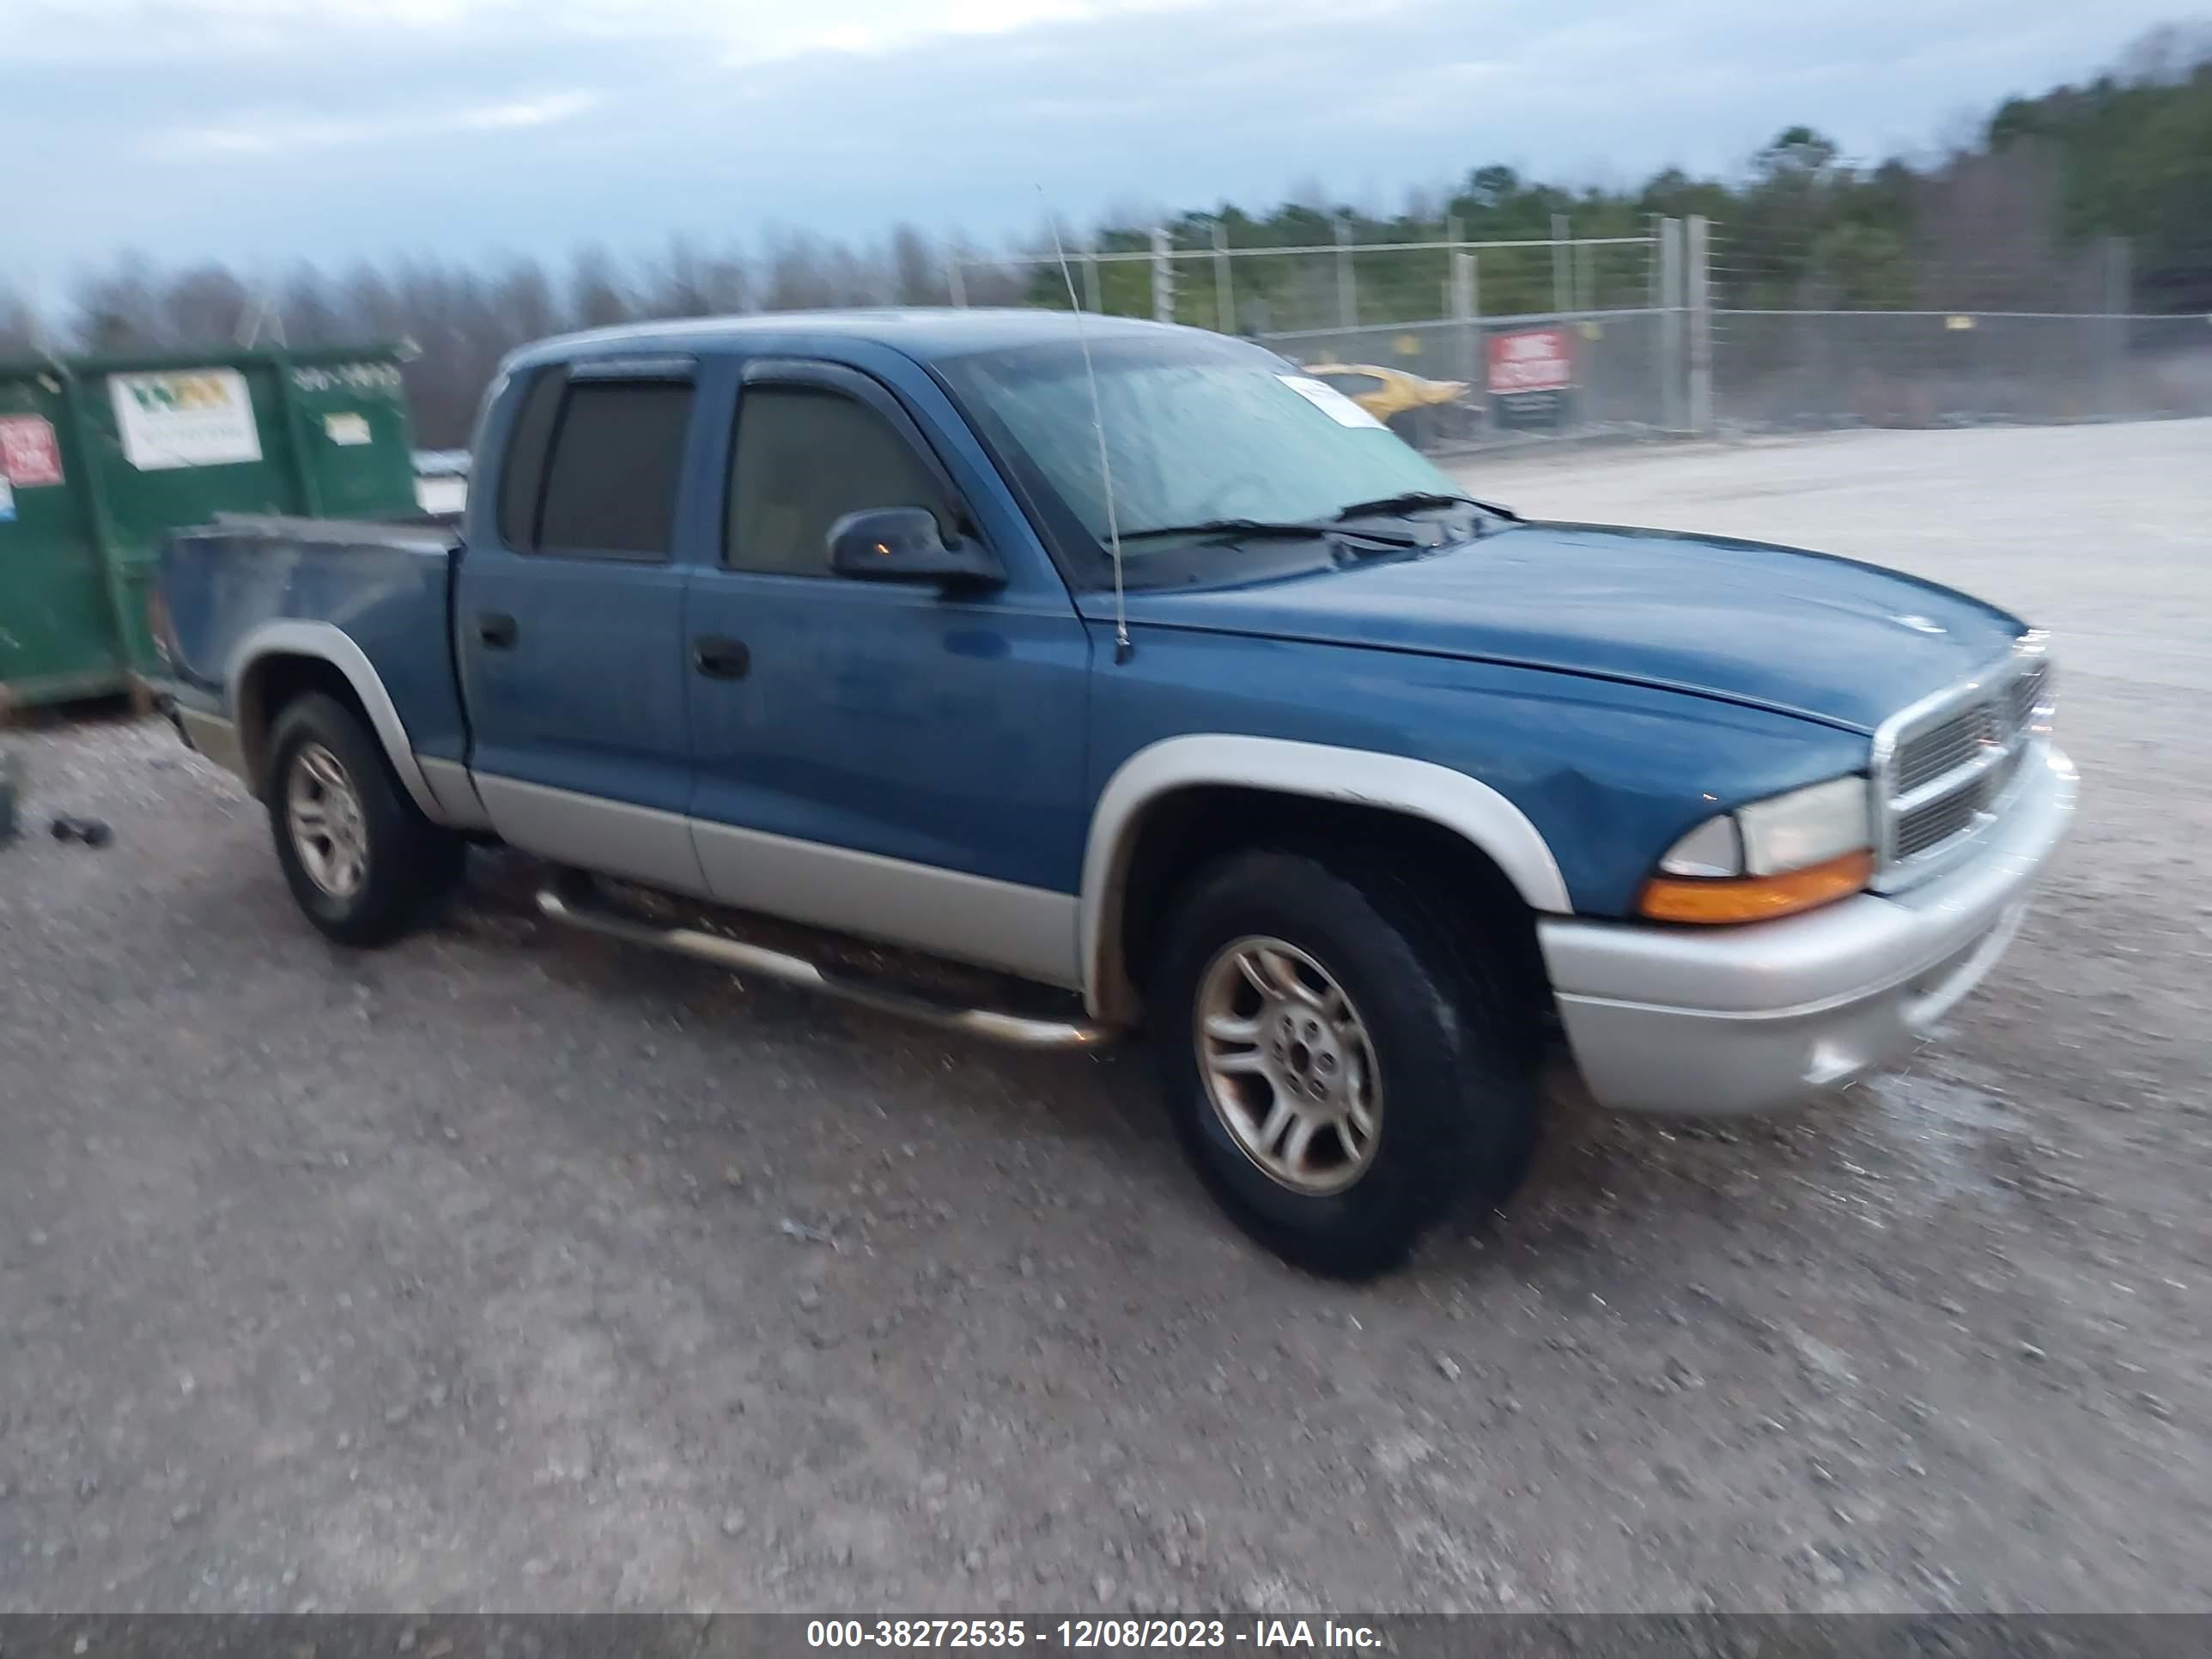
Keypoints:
pixel 796 277
pixel 117 310
pixel 917 269
pixel 677 287
pixel 521 299
pixel 2168 54
pixel 311 309
pixel 19 325
pixel 206 302
pixel 1988 226
pixel 596 298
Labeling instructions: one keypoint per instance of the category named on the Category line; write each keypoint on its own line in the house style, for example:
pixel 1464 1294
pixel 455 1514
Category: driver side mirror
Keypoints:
pixel 906 544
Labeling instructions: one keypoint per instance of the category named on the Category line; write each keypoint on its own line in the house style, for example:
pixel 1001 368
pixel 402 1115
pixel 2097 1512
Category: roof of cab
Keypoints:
pixel 920 334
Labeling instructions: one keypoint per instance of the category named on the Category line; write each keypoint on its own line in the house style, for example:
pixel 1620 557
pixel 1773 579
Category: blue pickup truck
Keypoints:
pixel 1053 680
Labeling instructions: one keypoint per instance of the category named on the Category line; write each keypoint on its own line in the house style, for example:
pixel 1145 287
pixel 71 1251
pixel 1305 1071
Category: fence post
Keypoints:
pixel 1224 297
pixel 1701 324
pixel 1670 300
pixel 953 284
pixel 2119 285
pixel 1162 277
pixel 1347 298
pixel 1455 238
pixel 1465 313
pixel 1559 278
pixel 1090 300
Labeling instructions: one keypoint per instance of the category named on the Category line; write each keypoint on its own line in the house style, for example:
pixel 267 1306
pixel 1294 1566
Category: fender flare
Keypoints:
pixel 1467 805
pixel 324 642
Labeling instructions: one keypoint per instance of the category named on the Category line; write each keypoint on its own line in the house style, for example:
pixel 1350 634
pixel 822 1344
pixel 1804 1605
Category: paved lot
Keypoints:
pixel 511 1268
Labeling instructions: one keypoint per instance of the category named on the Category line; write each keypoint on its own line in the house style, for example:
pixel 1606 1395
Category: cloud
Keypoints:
pixel 266 130
pixel 732 32
pixel 278 132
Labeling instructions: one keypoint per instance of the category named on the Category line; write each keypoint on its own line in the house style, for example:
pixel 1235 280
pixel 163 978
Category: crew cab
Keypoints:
pixel 1054 679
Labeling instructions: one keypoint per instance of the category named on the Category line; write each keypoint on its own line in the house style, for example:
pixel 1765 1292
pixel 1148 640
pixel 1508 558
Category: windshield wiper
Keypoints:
pixel 1412 500
pixel 1264 529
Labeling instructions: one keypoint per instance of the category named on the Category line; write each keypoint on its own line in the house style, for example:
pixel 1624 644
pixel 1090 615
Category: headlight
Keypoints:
pixel 1772 858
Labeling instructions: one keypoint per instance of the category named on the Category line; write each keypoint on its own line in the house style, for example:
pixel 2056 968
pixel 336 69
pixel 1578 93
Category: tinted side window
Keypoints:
pixel 804 457
pixel 617 454
pixel 1352 385
pixel 522 478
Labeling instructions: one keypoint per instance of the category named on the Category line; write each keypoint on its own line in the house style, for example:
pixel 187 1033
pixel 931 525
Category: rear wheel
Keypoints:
pixel 1341 1074
pixel 361 859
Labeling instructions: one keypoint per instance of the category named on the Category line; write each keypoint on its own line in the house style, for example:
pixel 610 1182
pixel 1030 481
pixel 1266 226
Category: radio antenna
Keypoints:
pixel 1122 649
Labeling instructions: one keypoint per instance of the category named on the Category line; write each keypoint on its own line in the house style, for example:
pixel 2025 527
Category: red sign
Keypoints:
pixel 30 454
pixel 1531 360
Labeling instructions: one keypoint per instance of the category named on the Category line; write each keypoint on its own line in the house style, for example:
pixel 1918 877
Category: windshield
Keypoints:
pixel 1197 431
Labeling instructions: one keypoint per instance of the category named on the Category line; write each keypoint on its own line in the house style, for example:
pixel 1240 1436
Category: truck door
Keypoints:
pixel 888 759
pixel 568 618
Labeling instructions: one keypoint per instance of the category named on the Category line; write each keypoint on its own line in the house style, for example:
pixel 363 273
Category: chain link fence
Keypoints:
pixel 1614 380
pixel 1801 370
pixel 1459 345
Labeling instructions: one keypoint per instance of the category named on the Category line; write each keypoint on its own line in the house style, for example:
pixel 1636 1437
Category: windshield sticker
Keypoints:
pixel 1328 399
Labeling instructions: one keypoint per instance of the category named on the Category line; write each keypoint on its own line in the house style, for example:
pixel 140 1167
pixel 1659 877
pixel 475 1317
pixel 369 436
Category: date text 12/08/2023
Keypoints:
pixel 1083 1633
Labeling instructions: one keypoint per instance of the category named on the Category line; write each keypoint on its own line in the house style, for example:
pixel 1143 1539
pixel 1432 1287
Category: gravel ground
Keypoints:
pixel 513 1268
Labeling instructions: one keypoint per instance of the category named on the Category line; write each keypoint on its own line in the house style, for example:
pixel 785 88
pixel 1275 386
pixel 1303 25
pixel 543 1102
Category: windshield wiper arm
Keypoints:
pixel 1263 529
pixel 1412 500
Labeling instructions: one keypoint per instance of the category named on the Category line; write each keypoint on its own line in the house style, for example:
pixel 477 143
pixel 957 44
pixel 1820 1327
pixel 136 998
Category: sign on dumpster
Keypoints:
pixel 184 418
pixel 30 453
pixel 1531 372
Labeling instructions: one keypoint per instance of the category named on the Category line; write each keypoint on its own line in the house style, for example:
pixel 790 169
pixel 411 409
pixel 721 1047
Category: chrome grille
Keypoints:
pixel 1946 768
pixel 2031 690
pixel 1935 823
pixel 1943 749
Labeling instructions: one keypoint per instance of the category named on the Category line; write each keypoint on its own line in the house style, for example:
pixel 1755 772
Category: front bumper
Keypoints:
pixel 1682 1019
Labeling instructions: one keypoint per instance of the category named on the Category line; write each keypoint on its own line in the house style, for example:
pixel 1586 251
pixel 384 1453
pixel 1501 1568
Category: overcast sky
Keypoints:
pixel 263 130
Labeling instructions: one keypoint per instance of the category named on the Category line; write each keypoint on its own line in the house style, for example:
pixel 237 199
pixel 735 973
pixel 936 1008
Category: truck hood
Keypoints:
pixel 1777 626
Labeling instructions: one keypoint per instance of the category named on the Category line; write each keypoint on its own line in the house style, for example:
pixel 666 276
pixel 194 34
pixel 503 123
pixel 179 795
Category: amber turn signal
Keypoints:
pixel 1755 899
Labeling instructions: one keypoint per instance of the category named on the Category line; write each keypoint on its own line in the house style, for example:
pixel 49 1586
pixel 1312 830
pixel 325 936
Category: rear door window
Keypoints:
pixel 617 458
pixel 522 478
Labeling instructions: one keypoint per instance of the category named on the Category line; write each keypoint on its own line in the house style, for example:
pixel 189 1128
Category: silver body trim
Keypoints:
pixel 1322 771
pixel 1027 931
pixel 328 643
pixel 214 738
pixel 742 957
pixel 1732 1019
pixel 456 790
pixel 611 837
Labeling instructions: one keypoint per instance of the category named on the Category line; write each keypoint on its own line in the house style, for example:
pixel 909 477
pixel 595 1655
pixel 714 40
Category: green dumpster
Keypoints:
pixel 100 458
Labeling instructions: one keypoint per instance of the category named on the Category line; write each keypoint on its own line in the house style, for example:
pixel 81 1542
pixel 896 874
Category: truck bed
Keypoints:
pixel 232 585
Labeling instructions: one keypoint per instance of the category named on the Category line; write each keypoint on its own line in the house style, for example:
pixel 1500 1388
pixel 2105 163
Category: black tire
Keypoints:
pixel 410 865
pixel 1458 1074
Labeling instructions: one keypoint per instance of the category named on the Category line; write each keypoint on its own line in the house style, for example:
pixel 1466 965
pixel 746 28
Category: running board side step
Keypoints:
pixel 739 956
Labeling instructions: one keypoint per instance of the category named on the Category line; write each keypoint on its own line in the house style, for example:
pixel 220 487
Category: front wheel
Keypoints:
pixel 362 860
pixel 1339 1071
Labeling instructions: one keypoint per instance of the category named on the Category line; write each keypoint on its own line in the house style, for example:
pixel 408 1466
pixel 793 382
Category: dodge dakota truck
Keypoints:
pixel 1053 679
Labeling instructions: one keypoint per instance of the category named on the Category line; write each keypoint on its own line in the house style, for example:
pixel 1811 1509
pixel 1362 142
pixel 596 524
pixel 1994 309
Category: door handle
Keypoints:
pixel 720 658
pixel 497 629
